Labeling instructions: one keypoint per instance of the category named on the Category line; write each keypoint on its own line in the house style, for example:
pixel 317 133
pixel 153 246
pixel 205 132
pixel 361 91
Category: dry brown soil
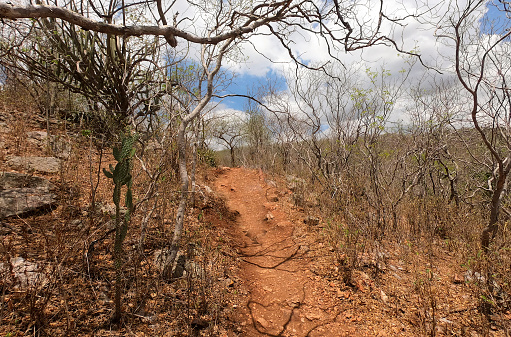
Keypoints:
pixel 284 297
pixel 291 285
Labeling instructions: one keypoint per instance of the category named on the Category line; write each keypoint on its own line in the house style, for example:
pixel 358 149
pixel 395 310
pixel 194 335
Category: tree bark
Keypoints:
pixel 10 11
pixel 183 171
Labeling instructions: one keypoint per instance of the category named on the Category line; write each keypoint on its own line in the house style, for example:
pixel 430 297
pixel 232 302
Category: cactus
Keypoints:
pixel 121 175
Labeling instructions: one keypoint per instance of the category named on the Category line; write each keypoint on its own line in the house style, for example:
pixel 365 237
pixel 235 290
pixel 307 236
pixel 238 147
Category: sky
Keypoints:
pixel 264 60
pixel 258 70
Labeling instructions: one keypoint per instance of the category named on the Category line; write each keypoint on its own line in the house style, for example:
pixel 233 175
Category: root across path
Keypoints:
pixel 284 296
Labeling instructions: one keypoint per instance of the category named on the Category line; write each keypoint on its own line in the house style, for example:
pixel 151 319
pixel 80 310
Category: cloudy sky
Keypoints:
pixel 266 59
pixel 262 59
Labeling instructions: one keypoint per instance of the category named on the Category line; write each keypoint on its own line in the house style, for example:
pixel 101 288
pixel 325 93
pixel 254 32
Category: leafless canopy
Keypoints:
pixel 342 25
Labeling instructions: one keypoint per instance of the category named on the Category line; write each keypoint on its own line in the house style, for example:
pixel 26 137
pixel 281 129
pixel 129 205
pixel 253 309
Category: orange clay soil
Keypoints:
pixel 284 297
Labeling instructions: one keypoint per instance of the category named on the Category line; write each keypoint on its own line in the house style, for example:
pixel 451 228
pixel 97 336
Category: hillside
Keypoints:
pixel 255 264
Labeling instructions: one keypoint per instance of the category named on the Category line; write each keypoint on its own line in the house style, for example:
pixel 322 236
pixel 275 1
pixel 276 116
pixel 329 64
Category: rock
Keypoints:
pixel 25 274
pixel 264 323
pixel 384 297
pixel 21 194
pixel 109 209
pixel 195 270
pixel 268 216
pixel 311 221
pixel 41 164
pixel 361 280
pixel 294 183
pixel 457 279
pixel 153 146
pixel 474 277
pixel 226 282
pixel 312 316
pixel 60 147
pixel 38 138
pixel 181 268
pixel 273 198
pixel 199 323
pixel 37 135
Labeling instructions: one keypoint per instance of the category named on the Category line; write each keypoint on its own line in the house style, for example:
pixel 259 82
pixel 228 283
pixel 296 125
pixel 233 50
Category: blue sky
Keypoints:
pixel 497 17
pixel 248 81
pixel 245 84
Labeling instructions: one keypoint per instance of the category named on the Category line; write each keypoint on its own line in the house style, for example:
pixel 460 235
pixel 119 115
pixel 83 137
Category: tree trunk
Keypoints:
pixel 178 230
pixel 493 225
pixel 233 163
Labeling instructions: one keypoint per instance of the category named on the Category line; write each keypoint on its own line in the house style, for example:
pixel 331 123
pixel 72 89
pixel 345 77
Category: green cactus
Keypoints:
pixel 121 175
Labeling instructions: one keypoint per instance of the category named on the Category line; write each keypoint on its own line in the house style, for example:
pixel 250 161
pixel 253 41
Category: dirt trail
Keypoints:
pixel 285 298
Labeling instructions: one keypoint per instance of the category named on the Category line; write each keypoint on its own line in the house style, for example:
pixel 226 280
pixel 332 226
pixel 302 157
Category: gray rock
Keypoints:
pixel 21 194
pixel 195 270
pixel 181 268
pixel 474 277
pixel 37 135
pixel 60 147
pixel 4 121
pixel 110 209
pixel 295 183
pixel 41 164
pixel 25 274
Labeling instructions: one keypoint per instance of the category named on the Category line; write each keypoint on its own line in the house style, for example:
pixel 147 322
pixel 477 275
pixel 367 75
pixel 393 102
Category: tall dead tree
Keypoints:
pixel 482 59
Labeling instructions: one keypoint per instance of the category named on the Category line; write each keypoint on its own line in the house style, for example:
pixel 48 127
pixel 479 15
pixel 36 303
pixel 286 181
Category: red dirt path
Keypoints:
pixel 285 298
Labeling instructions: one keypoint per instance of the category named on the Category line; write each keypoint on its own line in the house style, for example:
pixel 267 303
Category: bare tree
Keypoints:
pixel 229 130
pixel 121 80
pixel 482 65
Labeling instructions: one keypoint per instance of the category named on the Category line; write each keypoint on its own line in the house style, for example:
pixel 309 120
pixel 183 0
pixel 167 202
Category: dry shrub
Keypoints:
pixel 72 248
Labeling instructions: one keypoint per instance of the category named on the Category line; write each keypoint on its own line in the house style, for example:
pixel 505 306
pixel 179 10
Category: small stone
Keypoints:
pixel 264 323
pixel 457 279
pixel 37 135
pixel 228 282
pixel 383 297
pixel 268 216
pixel 445 320
pixel 311 221
pixel 199 324
pixel 273 198
pixel 312 316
